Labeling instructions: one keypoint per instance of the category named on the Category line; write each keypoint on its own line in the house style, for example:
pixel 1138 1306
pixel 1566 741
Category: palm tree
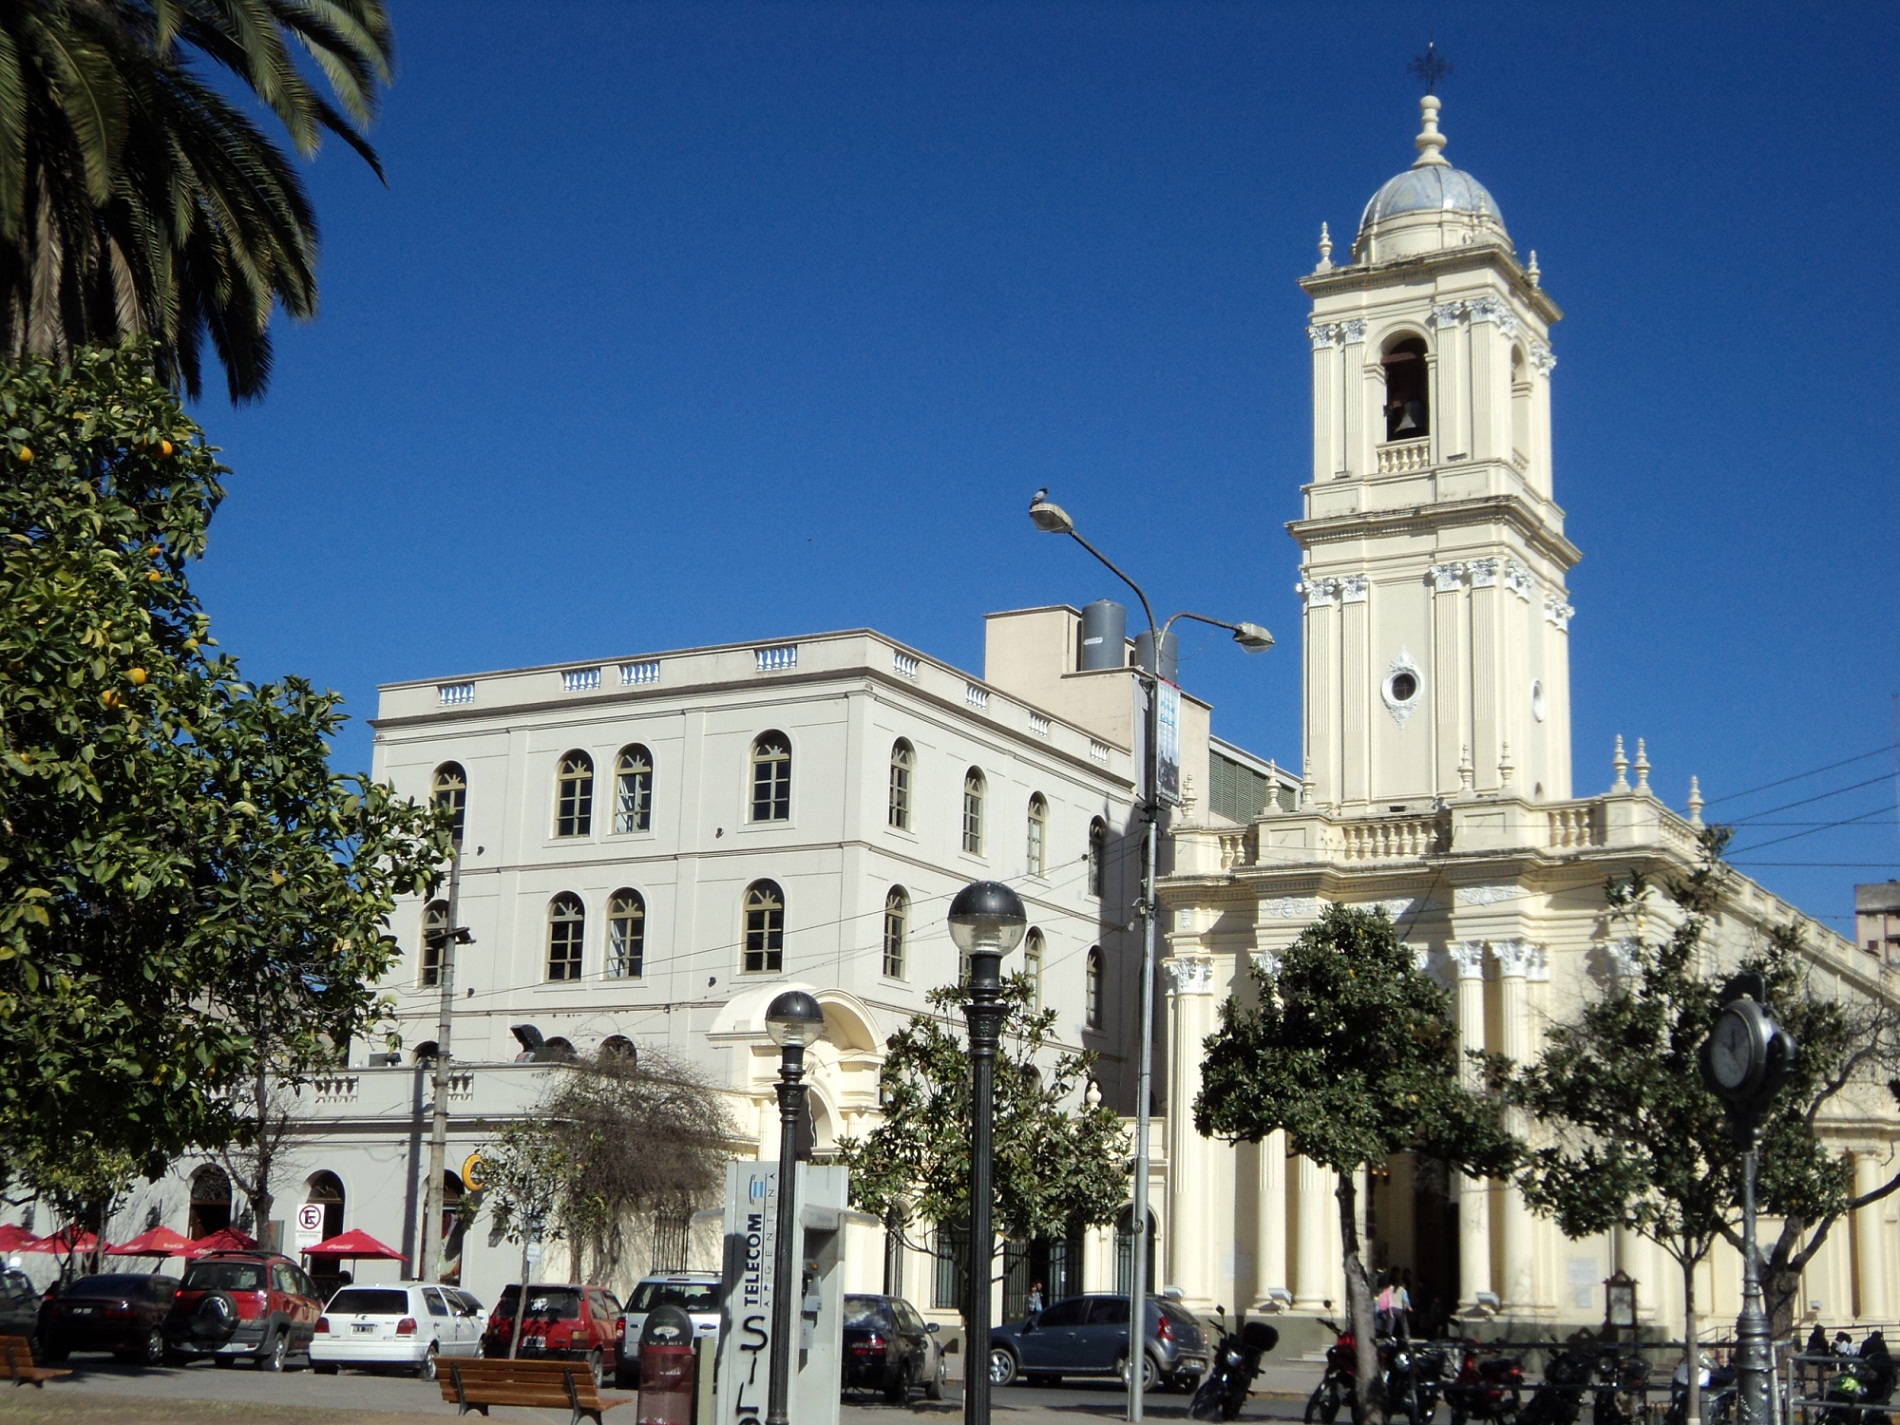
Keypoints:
pixel 137 200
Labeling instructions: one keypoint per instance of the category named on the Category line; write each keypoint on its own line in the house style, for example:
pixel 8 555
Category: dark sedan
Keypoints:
pixel 888 1348
pixel 1088 1336
pixel 118 1312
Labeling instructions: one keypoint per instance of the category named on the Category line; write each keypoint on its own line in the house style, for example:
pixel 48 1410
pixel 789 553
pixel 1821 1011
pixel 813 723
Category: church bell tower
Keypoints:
pixel 1433 556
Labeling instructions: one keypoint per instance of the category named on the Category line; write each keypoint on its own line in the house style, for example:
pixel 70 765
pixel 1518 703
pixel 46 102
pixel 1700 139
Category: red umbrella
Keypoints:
pixel 355 1244
pixel 14 1239
pixel 225 1239
pixel 159 1242
pixel 69 1240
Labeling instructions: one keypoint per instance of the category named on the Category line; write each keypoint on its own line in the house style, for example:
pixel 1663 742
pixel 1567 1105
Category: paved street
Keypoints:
pixel 100 1384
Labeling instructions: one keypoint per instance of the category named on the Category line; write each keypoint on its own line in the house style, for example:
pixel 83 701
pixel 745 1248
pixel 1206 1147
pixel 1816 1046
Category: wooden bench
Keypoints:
pixel 478 1384
pixel 16 1361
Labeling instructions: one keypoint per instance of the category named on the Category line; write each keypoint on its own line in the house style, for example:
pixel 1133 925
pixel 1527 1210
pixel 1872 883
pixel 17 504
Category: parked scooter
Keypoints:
pixel 1864 1381
pixel 1718 1395
pixel 1622 1396
pixel 1560 1399
pixel 1487 1388
pixel 1236 1362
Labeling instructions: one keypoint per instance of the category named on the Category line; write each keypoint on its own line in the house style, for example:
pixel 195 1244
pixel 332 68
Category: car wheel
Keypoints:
pixel 595 1368
pixel 152 1348
pixel 933 1388
pixel 273 1360
pixel 897 1388
pixel 425 1368
pixel 1002 1365
pixel 1150 1372
pixel 324 1368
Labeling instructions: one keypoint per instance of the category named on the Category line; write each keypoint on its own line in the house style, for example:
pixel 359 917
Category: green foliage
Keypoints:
pixel 136 198
pixel 524 1169
pixel 1352 1051
pixel 184 883
pixel 1059 1163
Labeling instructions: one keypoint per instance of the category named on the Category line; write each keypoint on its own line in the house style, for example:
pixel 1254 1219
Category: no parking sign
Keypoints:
pixel 309 1225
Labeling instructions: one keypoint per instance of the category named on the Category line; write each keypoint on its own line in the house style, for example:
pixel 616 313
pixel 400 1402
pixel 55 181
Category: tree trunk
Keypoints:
pixel 1369 1397
pixel 1691 1343
pixel 261 1198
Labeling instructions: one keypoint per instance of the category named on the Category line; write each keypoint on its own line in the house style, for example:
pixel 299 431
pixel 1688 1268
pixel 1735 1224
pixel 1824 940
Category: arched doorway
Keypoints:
pixel 454 1229
pixel 326 1190
pixel 1125 1251
pixel 1052 1265
pixel 210 1202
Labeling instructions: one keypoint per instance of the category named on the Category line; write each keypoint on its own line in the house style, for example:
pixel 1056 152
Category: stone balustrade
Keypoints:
pixel 1405 456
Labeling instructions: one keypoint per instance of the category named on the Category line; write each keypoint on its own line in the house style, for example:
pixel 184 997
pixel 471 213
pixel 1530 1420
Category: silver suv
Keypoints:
pixel 695 1293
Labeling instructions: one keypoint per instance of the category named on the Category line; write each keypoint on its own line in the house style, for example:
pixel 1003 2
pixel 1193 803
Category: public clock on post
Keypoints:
pixel 1738 1050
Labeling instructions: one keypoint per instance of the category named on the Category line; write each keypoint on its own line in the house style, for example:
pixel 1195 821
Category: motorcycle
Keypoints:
pixel 1622 1396
pixel 1560 1399
pixel 1487 1388
pixel 1864 1381
pixel 1718 1395
pixel 1337 1385
pixel 1236 1362
pixel 1413 1377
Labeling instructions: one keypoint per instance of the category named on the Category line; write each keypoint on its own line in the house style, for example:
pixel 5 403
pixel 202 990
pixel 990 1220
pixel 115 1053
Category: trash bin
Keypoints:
pixel 666 1368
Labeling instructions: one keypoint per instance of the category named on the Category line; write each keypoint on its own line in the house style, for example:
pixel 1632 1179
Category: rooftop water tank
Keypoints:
pixel 1104 636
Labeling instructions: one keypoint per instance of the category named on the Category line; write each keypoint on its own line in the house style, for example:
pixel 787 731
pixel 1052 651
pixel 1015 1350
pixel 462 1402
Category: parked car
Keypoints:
pixel 120 1312
pixel 561 1321
pixel 19 1304
pixel 407 1325
pixel 243 1304
pixel 888 1348
pixel 1088 1336
pixel 695 1293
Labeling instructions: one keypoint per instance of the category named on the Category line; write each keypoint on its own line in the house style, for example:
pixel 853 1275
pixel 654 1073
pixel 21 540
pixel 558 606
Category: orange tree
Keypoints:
pixel 185 885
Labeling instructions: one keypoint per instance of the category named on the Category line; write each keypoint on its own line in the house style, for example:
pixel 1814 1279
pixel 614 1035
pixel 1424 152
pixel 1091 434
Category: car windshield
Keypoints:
pixel 113 1284
pixel 225 1276
pixel 369 1301
pixel 687 1296
pixel 547 1303
pixel 865 1311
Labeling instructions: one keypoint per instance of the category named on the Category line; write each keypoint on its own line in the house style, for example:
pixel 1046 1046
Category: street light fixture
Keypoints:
pixel 1053 519
pixel 987 921
pixel 794 1019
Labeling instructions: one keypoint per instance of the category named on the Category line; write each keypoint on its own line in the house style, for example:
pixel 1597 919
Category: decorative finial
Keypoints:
pixel 1465 769
pixel 1622 765
pixel 1695 803
pixel 1531 272
pixel 1505 769
pixel 1642 768
pixel 1431 66
pixel 1325 250
pixel 1429 140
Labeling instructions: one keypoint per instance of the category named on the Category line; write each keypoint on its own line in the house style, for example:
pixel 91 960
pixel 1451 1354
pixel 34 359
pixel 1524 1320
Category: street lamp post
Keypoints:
pixel 794 1019
pixel 1053 519
pixel 986 922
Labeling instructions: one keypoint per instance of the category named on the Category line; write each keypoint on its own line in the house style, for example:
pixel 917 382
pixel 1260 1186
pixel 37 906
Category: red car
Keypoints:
pixel 244 1304
pixel 560 1322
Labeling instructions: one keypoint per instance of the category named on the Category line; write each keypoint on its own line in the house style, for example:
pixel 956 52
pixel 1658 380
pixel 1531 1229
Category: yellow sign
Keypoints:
pixel 474 1173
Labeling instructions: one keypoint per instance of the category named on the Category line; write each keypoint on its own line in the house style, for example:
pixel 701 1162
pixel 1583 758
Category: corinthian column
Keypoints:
pixel 1870 1245
pixel 1474 1194
pixel 1518 961
pixel 1191 1230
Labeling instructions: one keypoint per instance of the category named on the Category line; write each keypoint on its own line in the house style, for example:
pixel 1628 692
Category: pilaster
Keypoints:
pixel 1191 1256
pixel 1270 1223
pixel 1870 1245
pixel 1474 1194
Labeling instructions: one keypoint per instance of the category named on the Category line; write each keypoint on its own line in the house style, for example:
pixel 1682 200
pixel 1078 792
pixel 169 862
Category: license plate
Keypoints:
pixel 84 1310
pixel 363 1328
pixel 534 1343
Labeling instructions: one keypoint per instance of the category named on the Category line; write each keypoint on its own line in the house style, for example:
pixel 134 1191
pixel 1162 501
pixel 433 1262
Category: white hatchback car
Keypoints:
pixel 406 1324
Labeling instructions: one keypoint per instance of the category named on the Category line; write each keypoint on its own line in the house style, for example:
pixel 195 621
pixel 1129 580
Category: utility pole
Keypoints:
pixel 445 938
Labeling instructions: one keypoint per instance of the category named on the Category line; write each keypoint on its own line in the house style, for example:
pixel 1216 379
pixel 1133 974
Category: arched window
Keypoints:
pixel 210 1202
pixel 1408 409
pixel 435 927
pixel 574 796
pixel 772 777
pixel 558 1050
pixel 1093 990
pixel 1032 966
pixel 567 928
pixel 326 1190
pixel 1098 854
pixel 903 761
pixel 1038 834
pixel 896 931
pixel 633 789
pixel 620 1049
pixel 973 812
pixel 764 928
pixel 626 935
pixel 449 788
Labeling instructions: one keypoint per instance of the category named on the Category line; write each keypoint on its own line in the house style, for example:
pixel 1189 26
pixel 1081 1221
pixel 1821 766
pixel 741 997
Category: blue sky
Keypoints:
pixel 680 324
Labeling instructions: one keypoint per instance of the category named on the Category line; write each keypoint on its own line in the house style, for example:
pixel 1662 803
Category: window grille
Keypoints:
pixel 672 1230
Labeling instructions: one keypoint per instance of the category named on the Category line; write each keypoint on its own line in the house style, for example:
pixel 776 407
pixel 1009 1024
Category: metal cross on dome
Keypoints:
pixel 1431 66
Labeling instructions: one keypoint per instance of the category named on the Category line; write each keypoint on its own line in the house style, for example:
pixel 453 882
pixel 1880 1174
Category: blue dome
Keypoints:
pixel 1431 188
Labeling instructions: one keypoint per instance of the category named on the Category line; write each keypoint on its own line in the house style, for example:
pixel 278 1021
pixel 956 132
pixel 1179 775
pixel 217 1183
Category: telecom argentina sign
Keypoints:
pixel 745 1366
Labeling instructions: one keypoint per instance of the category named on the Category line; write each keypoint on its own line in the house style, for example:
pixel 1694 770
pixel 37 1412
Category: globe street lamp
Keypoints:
pixel 986 922
pixel 1051 518
pixel 794 1019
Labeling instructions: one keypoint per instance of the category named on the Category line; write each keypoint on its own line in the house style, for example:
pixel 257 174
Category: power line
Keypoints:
pixel 1816 830
pixel 1817 797
pixel 1802 776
